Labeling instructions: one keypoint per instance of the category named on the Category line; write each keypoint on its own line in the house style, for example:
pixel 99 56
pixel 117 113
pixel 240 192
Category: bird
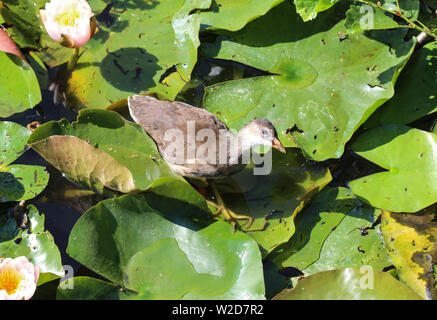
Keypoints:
pixel 195 143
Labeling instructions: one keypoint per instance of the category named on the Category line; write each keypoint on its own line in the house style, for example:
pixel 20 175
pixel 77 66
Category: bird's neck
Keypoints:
pixel 243 143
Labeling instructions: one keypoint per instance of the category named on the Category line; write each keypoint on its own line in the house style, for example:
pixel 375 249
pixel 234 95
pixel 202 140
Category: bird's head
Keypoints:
pixel 260 132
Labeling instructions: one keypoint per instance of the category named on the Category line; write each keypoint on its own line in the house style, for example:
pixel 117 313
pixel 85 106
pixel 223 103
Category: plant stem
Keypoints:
pixel 73 61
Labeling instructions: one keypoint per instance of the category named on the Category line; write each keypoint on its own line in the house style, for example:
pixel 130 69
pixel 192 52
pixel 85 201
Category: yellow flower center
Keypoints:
pixel 67 17
pixel 10 280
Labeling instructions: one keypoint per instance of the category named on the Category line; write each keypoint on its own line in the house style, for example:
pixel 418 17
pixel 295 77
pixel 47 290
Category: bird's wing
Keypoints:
pixel 161 118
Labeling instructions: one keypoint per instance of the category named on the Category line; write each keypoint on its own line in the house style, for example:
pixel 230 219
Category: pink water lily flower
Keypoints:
pixel 69 22
pixel 18 278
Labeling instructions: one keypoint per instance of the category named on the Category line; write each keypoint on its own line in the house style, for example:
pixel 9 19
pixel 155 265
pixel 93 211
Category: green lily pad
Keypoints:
pixel 24 17
pixel 353 243
pixel 274 200
pixel 411 240
pixel 140 46
pixel 349 284
pixel 142 224
pixel 365 18
pixel 86 288
pixel 35 244
pixel 150 274
pixel 18 182
pixel 323 86
pixel 233 15
pixel 313 226
pixel 408 155
pixel 19 89
pixel 308 9
pixel 411 103
pixel 101 150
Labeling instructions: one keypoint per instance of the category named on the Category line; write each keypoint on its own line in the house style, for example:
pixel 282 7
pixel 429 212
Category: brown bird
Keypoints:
pixel 195 143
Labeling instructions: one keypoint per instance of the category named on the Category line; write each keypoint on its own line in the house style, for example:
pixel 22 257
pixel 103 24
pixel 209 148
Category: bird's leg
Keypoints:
pixel 229 214
pixel 212 204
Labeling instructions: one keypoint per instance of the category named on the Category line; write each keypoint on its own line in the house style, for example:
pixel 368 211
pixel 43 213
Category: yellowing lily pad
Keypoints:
pixel 411 240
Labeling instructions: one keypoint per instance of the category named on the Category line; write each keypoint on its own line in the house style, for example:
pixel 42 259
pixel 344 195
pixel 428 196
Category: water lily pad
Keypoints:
pixel 18 182
pixel 101 150
pixel 313 226
pixel 412 102
pixel 142 224
pixel 234 15
pixel 410 240
pixel 408 155
pixel 349 284
pixel 24 17
pixel 367 18
pixel 353 243
pixel 86 288
pixel 36 244
pixel 140 46
pixel 308 9
pixel 323 87
pixel 19 89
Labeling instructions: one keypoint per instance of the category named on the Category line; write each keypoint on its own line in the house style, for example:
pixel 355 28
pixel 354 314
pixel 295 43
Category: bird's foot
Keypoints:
pixel 230 215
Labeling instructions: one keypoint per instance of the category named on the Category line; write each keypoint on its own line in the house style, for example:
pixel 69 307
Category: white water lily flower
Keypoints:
pixel 69 22
pixel 18 278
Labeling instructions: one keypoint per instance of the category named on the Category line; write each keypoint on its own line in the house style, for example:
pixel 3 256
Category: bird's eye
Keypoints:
pixel 264 132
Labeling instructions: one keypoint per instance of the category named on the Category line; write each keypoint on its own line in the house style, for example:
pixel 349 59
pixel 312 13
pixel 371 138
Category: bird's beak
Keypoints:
pixel 278 145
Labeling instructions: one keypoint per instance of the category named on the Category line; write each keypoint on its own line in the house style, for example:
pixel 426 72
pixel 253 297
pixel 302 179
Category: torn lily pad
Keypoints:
pixel 411 240
pixel 35 243
pixel 18 181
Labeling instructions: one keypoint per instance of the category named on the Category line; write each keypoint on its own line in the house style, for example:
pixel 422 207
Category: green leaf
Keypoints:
pixel 119 154
pixel 13 141
pixel 86 288
pixel 36 245
pixel 23 15
pixel 18 182
pixel 140 46
pixel 313 226
pixel 139 223
pixel 150 274
pixel 367 18
pixel 349 284
pixel 233 15
pixel 353 243
pixel 409 183
pixel 411 102
pixel 326 84
pixel 19 89
pixel 410 240
pixel 22 182
pixel 308 9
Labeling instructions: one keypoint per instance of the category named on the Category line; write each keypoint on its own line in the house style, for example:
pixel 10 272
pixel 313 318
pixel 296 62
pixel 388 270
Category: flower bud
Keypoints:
pixel 69 22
